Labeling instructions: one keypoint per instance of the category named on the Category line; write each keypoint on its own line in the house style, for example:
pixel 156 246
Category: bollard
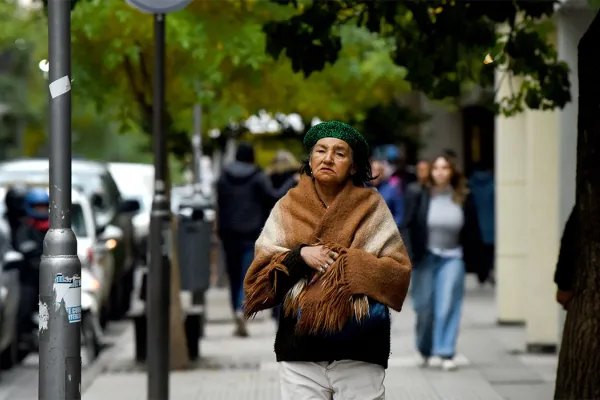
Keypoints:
pixel 60 268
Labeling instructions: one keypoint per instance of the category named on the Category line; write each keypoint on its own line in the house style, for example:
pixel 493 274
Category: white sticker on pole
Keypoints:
pixel 60 87
pixel 68 291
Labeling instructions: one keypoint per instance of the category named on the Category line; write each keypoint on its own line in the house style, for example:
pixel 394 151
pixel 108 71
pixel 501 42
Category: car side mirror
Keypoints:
pixel 12 260
pixel 129 206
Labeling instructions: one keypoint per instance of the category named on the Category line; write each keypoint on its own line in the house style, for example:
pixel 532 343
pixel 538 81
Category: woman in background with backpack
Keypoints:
pixel 441 232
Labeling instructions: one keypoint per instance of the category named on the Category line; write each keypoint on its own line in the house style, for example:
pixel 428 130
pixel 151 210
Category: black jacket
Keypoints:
pixel 243 190
pixel 415 233
pixel 30 242
pixel 565 266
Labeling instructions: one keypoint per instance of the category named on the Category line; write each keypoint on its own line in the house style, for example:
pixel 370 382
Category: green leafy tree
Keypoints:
pixel 215 56
pixel 440 43
pixel 18 40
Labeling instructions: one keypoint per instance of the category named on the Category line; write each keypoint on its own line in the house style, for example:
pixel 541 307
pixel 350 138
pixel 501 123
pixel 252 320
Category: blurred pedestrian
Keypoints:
pixel 15 209
pixel 564 275
pixel 332 255
pixel 442 235
pixel 30 242
pixel 401 175
pixel 283 167
pixel 451 156
pixel 242 190
pixel 481 185
pixel 423 170
pixel 389 190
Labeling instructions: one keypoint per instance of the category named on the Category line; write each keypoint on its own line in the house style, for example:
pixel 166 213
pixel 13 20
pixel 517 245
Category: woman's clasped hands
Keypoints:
pixel 319 258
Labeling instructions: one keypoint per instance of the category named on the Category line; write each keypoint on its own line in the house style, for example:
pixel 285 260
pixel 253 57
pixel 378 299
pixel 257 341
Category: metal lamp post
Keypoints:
pixel 197 147
pixel 159 277
pixel 60 268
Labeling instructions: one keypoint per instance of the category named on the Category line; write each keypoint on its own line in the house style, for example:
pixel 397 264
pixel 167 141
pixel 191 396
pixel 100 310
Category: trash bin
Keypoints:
pixel 194 238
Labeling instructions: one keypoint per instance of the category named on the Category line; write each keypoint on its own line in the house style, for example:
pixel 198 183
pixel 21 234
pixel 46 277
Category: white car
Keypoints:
pixel 93 251
pixel 136 182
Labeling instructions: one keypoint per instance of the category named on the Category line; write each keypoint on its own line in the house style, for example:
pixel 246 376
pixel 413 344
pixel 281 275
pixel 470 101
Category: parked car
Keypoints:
pixel 9 298
pixel 112 214
pixel 136 182
pixel 94 252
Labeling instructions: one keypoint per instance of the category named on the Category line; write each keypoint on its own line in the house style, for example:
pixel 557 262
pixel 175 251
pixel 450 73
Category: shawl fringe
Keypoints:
pixel 264 288
pixel 333 308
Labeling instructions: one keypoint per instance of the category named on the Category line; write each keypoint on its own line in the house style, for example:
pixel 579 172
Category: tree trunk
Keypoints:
pixel 578 375
pixel 178 341
pixel 178 345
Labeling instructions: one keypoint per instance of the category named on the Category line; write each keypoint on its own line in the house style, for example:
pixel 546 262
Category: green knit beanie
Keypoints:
pixel 338 130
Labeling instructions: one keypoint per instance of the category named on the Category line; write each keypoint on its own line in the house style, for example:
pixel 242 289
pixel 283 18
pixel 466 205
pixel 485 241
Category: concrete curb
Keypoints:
pixel 104 360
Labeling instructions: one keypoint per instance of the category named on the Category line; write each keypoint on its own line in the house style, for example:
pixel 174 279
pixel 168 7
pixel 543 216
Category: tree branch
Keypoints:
pixel 138 94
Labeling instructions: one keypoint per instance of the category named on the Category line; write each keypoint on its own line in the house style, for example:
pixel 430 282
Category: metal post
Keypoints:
pixel 159 279
pixel 197 146
pixel 60 269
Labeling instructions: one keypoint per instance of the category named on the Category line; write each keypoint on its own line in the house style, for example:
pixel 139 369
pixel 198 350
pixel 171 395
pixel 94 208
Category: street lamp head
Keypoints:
pixel 158 6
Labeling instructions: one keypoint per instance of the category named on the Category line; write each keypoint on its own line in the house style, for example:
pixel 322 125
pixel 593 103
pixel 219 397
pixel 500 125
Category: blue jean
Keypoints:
pixel 437 290
pixel 239 254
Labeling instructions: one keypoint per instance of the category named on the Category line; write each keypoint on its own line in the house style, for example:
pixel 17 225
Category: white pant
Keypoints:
pixel 340 380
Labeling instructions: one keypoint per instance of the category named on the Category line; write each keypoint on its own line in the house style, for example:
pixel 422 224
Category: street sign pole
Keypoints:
pixel 159 277
pixel 60 268
pixel 197 147
pixel 159 280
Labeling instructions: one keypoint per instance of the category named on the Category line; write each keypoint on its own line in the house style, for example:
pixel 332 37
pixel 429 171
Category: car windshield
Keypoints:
pixel 78 221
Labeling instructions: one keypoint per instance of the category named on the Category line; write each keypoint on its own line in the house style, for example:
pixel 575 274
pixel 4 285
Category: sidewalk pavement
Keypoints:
pixel 21 381
pixel 492 366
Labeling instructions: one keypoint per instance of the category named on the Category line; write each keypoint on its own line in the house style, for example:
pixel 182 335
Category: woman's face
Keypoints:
pixel 441 172
pixel 331 161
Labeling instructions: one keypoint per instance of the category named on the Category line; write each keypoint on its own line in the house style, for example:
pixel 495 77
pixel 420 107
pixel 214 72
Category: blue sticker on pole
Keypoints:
pixel 67 290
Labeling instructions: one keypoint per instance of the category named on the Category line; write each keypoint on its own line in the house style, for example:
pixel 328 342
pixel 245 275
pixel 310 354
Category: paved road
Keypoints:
pixel 492 367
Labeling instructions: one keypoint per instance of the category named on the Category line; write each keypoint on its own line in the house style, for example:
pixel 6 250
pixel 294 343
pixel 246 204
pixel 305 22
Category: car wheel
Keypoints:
pixel 10 356
pixel 90 345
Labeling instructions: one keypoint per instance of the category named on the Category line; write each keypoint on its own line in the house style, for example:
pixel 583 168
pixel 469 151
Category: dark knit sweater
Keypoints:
pixel 370 345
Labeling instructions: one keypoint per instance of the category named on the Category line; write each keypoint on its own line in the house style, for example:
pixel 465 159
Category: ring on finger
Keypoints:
pixel 322 270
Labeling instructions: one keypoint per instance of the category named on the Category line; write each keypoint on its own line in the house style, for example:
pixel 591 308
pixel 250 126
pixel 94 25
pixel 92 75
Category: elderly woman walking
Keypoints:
pixel 332 255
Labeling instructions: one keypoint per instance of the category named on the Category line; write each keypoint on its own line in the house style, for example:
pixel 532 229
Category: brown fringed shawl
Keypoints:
pixel 359 226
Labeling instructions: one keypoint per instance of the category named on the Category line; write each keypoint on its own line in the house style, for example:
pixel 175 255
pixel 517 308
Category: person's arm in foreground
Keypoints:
pixel 565 266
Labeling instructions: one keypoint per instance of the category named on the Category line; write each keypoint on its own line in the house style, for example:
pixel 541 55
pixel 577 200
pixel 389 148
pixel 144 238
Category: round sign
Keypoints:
pixel 158 6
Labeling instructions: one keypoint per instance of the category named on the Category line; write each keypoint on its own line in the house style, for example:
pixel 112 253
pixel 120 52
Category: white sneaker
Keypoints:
pixel 449 365
pixel 434 362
